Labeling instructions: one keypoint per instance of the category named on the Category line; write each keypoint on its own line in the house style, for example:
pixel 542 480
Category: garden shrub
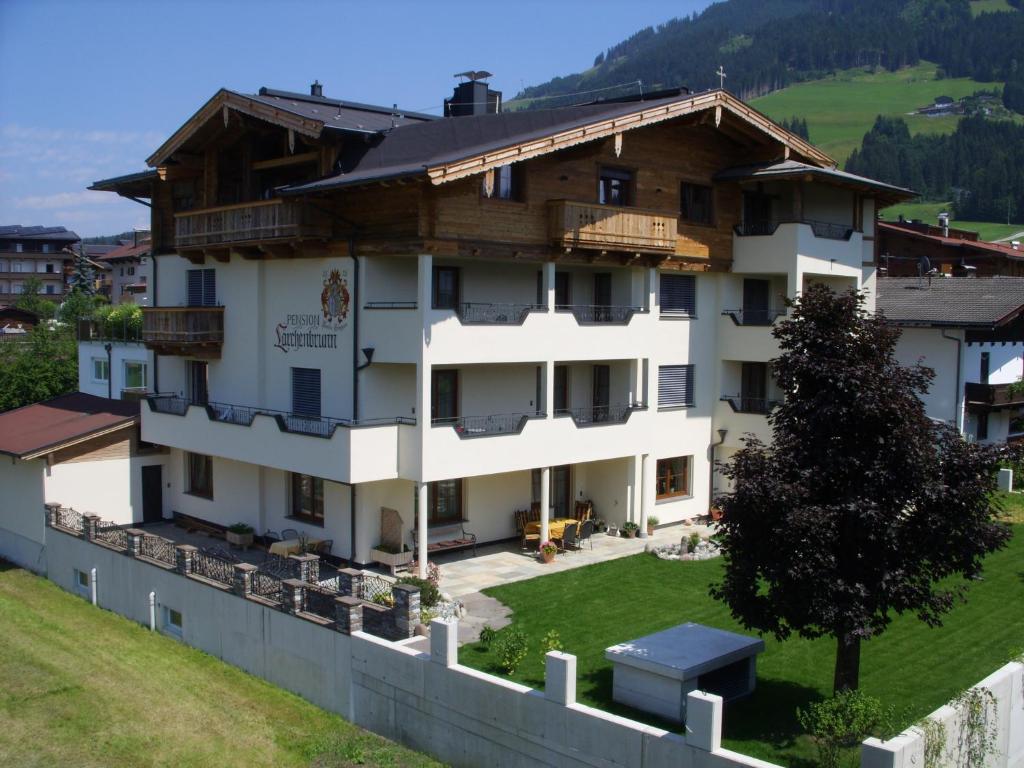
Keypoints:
pixel 511 649
pixel 430 595
pixel 842 721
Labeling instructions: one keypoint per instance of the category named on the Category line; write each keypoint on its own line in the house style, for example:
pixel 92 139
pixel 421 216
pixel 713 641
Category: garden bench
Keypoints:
pixel 446 537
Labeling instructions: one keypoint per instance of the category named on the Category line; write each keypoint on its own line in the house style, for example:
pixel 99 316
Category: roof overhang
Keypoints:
pixel 886 194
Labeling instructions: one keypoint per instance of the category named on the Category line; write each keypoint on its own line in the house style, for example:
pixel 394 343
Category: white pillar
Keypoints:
pixel 545 501
pixel 549 388
pixel 421 529
pixel 653 297
pixel 648 469
pixel 549 284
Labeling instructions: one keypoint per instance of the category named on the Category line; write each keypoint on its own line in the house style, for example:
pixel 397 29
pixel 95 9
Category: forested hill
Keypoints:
pixel 767 45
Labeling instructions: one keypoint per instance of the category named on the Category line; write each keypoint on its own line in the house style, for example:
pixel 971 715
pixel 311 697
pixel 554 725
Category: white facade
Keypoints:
pixel 128 365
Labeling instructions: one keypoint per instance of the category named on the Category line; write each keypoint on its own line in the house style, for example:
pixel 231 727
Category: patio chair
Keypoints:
pixel 568 541
pixel 289 533
pixel 270 537
pixel 522 517
pixel 586 531
pixel 324 547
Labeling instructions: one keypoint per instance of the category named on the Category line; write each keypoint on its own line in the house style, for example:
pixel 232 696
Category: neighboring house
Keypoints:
pixel 16 322
pixel 79 451
pixel 34 252
pixel 113 363
pixel 971 332
pixel 356 307
pixel 128 268
pixel 912 248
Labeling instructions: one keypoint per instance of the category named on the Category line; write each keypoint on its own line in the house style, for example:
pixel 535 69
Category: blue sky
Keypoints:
pixel 89 89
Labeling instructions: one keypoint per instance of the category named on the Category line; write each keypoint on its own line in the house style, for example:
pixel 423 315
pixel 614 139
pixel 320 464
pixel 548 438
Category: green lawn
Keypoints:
pixel 84 687
pixel 929 212
pixel 840 109
pixel 910 666
pixel 979 7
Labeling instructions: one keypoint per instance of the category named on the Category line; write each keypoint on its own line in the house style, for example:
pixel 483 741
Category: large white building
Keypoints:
pixel 355 308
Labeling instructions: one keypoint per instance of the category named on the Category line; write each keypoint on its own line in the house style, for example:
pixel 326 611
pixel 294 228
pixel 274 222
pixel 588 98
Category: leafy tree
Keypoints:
pixel 77 305
pixel 861 506
pixel 32 301
pixel 83 278
pixel 43 365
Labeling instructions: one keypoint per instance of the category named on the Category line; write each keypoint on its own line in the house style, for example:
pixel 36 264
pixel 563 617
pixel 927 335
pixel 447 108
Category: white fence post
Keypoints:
pixel 704 720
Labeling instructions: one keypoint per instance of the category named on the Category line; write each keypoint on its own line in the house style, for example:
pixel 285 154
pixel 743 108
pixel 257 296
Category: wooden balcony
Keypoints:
pixel 188 331
pixel 611 228
pixel 994 396
pixel 256 228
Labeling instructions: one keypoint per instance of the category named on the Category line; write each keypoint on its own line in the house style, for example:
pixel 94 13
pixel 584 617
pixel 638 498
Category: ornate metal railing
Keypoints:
pixel 759 405
pixel 215 567
pixel 266 585
pixel 158 548
pixel 377 590
pixel 176 406
pixel 598 314
pixel 69 519
pixel 320 601
pixel 493 424
pixel 112 534
pixel 823 229
pixel 600 414
pixel 754 316
pixel 329 577
pixel 483 313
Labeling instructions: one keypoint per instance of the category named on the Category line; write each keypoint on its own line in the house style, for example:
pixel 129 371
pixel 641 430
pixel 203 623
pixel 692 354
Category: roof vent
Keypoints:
pixel 1015 244
pixel 316 89
pixel 944 223
pixel 473 96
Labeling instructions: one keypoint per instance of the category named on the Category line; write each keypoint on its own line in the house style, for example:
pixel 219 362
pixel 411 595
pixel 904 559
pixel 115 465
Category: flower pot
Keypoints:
pixel 393 560
pixel 547 557
pixel 240 540
pixel 650 530
pixel 629 533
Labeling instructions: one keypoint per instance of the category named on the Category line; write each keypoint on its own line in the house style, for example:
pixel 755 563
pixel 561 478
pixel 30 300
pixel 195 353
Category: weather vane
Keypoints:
pixel 721 77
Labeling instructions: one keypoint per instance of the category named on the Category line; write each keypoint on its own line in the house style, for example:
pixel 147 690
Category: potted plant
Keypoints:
pixel 652 523
pixel 391 556
pixel 600 526
pixel 239 535
pixel 548 551
pixel 630 529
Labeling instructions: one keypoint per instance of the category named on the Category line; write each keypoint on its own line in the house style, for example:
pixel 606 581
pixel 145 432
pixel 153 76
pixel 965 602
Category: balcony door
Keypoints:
pixel 560 489
pixel 757 210
pixel 198 391
pixel 601 392
pixel 446 288
pixel 563 295
pixel 754 388
pixel 602 295
pixel 444 395
pixel 756 298
pixel 561 387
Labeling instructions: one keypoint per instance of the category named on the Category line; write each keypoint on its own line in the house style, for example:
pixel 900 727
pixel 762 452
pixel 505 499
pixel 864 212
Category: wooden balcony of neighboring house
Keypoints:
pixel 611 228
pixel 994 396
pixel 187 331
pixel 256 229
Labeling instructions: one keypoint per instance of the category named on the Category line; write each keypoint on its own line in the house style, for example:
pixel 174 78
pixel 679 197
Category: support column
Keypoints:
pixel 549 388
pixel 653 294
pixel 549 284
pixel 545 502
pixel 648 469
pixel 421 530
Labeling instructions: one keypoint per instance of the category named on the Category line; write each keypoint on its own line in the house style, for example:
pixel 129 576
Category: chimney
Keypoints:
pixel 944 223
pixel 1015 244
pixel 316 89
pixel 473 96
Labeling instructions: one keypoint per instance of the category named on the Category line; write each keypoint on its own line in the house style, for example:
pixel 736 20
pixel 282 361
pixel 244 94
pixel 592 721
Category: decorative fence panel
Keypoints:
pixel 158 548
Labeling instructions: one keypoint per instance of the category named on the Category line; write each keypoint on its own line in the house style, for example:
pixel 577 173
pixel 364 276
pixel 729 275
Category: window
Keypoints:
pixel 563 289
pixel 100 369
pixel 18 267
pixel 51 288
pixel 308 498
pixel 82 583
pixel 679 295
pixel 561 389
pixel 503 183
pixel 134 374
pixel 673 477
pixel 445 501
pixel 121 271
pixel 202 287
pixel 306 392
pixel 131 271
pixel 985 366
pixel 173 622
pixel 49 268
pixel 982 431
pixel 615 187
pixel 695 203
pixel 675 386
pixel 19 248
pixel 444 394
pixel 446 287
pixel 46 247
pixel 198 392
pixel 199 481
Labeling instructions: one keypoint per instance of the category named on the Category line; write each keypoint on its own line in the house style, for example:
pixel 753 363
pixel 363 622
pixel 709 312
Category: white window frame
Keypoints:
pixel 106 365
pixel 145 373
pixel 83 583
pixel 19 247
pixel 171 625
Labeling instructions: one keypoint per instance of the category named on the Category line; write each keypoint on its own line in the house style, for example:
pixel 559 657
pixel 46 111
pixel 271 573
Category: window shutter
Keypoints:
pixel 675 385
pixel 306 392
pixel 195 287
pixel 679 295
pixel 209 287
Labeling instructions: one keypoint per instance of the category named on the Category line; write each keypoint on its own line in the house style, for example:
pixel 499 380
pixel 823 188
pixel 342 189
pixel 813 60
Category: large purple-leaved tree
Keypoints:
pixel 862 505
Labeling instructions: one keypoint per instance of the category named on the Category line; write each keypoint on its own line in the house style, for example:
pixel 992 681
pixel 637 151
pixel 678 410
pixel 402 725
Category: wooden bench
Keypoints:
pixel 446 537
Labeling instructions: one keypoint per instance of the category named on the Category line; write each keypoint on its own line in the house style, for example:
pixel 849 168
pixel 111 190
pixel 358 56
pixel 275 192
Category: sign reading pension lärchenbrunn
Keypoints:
pixel 313 330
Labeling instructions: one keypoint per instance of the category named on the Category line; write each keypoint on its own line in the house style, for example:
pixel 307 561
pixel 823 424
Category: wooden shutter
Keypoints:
pixel 202 287
pixel 306 392
pixel 675 385
pixel 679 295
pixel 209 287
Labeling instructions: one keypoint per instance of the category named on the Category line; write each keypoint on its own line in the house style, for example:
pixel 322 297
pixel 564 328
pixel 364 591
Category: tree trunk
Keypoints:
pixel 847 674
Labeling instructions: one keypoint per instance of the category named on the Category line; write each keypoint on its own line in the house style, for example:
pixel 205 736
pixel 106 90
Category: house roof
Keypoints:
pixel 130 184
pixel 956 302
pixel 908 230
pixel 38 429
pixel 786 169
pixel 128 251
pixel 18 232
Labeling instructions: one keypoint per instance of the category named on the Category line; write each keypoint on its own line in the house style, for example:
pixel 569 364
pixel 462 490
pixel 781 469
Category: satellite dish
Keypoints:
pixel 474 74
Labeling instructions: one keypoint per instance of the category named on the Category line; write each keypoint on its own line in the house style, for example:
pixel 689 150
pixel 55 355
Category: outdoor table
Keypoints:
pixel 656 672
pixel 556 526
pixel 292 546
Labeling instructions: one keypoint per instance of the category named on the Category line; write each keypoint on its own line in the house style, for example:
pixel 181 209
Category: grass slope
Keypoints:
pixel 929 212
pixel 979 7
pixel 910 666
pixel 840 109
pixel 81 686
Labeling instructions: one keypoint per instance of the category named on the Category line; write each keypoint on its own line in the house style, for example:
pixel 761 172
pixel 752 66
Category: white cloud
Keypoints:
pixel 63 199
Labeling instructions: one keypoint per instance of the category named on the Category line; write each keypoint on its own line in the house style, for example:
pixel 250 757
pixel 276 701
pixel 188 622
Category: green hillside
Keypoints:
pixel 841 108
pixel 930 212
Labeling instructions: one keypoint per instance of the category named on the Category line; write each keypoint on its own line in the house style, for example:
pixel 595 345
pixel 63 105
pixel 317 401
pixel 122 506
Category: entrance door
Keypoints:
pixel 152 494
pixel 754 385
pixel 563 297
pixel 198 389
pixel 756 301
pixel 561 394
pixel 602 296
pixel 601 392
pixel 445 396
pixel 561 490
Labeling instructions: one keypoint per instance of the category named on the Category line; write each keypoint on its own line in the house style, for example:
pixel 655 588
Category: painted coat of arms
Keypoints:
pixel 334 299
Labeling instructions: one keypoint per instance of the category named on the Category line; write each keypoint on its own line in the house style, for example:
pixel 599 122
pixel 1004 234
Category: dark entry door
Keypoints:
pixel 755 302
pixel 152 494
pixel 602 296
pixel 601 393
pixel 754 386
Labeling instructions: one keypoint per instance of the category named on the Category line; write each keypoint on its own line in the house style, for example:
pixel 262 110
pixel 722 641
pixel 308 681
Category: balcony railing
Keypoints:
pixel 611 228
pixel 484 313
pixel 824 229
pixel 492 424
pixel 243 415
pixel 595 415
pixel 108 330
pixel 754 316
pixel 195 331
pixel 994 395
pixel 247 222
pixel 599 314
pixel 758 405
